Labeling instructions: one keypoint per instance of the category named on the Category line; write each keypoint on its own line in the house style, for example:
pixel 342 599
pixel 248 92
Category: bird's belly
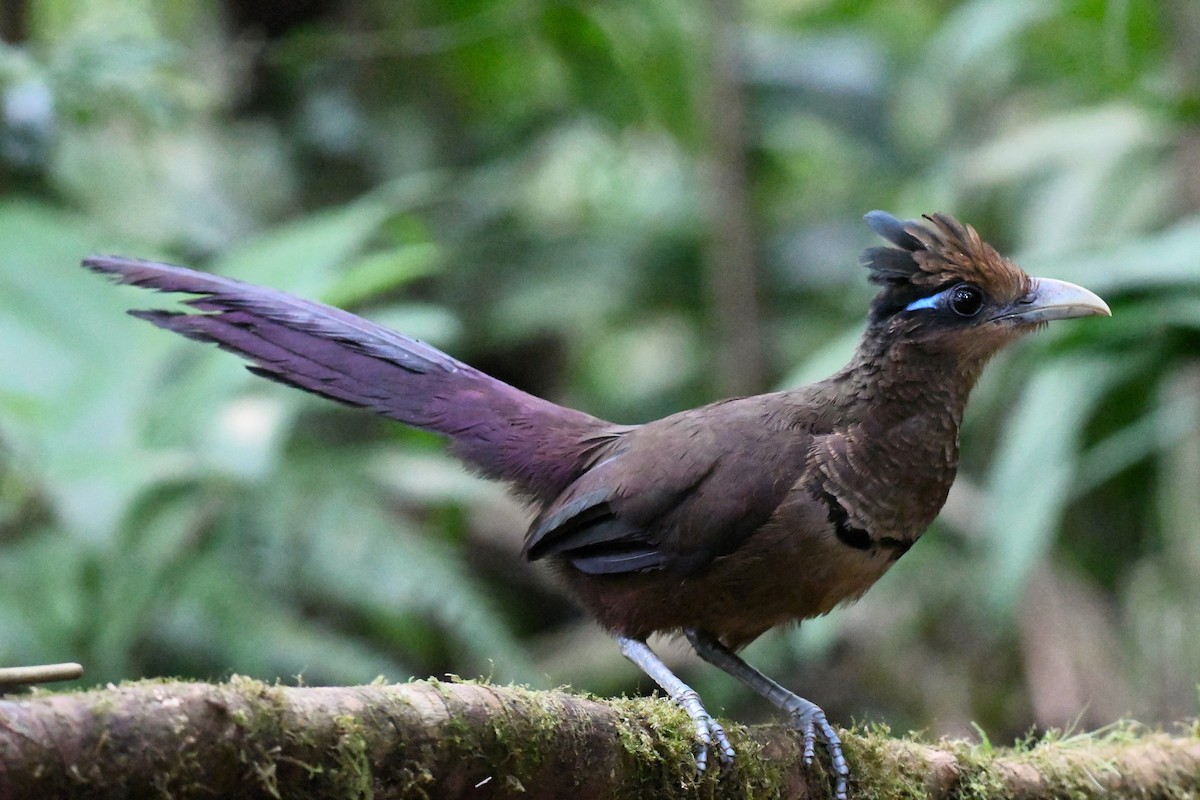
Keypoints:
pixel 775 578
pixel 808 576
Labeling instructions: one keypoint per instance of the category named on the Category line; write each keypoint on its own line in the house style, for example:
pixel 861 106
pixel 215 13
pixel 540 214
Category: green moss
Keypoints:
pixel 1074 767
pixel 352 773
pixel 260 722
pixel 534 724
pixel 103 704
pixel 870 751
pixel 532 734
pixel 657 738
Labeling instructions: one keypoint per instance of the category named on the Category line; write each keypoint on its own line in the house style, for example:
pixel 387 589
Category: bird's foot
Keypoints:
pixel 810 720
pixel 808 717
pixel 709 732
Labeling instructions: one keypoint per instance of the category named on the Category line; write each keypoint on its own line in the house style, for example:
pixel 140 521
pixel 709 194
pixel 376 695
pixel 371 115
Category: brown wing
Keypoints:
pixel 675 494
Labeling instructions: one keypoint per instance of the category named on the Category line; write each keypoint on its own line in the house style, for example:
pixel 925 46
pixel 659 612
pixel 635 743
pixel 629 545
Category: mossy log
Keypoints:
pixel 428 739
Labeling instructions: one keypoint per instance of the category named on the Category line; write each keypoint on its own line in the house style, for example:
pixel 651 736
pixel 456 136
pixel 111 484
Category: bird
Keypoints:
pixel 717 523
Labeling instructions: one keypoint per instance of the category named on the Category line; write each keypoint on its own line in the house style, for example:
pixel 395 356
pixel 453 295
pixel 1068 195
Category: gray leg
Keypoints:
pixel 807 716
pixel 708 729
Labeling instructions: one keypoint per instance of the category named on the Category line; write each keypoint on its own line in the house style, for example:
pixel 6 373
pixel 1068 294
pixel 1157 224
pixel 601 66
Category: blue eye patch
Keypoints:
pixel 933 301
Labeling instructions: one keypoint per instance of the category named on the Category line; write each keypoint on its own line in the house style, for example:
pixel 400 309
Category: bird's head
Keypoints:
pixel 947 290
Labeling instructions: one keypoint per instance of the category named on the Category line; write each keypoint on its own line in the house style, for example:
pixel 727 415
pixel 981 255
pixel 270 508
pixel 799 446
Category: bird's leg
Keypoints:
pixel 807 716
pixel 708 730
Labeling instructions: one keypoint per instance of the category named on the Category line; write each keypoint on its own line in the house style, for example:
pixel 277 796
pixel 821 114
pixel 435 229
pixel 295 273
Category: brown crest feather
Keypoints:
pixel 955 252
pixel 931 255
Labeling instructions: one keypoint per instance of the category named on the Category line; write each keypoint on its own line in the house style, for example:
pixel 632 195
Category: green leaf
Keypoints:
pixel 1030 483
pixel 222 621
pixel 381 272
pixel 301 256
pixel 1153 261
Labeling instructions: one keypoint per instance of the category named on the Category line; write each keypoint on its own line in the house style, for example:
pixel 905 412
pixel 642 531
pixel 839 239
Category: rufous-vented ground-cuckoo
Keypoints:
pixel 720 522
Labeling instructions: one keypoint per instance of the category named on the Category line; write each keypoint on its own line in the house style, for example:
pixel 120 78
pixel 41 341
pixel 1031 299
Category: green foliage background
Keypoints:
pixel 531 185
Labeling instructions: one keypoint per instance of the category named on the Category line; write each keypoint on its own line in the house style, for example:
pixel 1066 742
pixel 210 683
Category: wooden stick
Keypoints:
pixel 43 673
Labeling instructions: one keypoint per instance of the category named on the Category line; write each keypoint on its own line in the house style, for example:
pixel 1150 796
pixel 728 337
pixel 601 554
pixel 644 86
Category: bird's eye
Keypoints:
pixel 966 300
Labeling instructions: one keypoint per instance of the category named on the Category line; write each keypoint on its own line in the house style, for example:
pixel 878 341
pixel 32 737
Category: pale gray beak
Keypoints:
pixel 1049 299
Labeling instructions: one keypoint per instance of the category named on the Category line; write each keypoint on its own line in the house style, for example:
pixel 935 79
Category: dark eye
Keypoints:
pixel 966 300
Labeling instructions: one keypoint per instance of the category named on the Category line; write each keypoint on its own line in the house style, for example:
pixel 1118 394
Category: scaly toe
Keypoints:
pixel 721 739
pixel 812 722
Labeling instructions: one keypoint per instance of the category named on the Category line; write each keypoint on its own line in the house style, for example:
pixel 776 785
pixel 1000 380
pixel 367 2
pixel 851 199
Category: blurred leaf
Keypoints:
pixel 98 69
pixel 1033 470
pixel 433 478
pixel 86 401
pixel 381 272
pixel 1067 161
pixel 301 255
pixel 1155 261
pixel 982 32
pixel 41 592
pixel 826 361
pixel 210 626
pixel 345 548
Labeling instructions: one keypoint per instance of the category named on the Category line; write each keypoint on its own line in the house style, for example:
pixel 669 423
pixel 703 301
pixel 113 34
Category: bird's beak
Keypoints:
pixel 1049 299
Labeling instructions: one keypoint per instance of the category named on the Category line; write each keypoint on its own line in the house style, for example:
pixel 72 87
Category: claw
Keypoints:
pixel 809 721
pixel 708 730
pixel 718 734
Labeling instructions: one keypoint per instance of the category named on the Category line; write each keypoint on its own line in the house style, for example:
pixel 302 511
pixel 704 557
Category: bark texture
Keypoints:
pixel 426 739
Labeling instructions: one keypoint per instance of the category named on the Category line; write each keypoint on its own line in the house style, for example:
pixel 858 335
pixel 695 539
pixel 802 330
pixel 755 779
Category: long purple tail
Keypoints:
pixel 503 432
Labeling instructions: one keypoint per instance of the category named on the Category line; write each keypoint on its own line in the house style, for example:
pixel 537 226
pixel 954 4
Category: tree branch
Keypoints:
pixel 246 739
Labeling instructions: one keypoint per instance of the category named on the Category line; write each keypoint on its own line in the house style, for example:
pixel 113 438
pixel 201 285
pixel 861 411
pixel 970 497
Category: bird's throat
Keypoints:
pixel 895 381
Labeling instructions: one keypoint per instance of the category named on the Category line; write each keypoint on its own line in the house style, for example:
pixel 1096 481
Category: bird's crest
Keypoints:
pixel 929 257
